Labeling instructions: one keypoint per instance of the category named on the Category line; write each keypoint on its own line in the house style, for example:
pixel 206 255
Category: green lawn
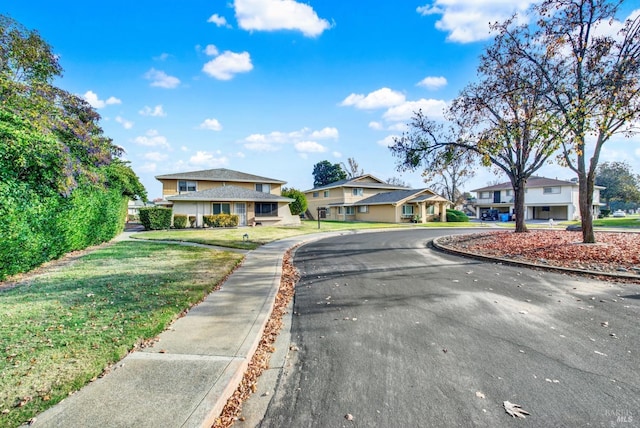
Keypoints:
pixel 260 235
pixel 628 222
pixel 632 221
pixel 63 327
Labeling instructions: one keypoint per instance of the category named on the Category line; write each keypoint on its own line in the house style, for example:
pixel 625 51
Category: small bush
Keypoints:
pixel 605 212
pixel 179 221
pixel 455 216
pixel 156 218
pixel 221 220
pixel 192 221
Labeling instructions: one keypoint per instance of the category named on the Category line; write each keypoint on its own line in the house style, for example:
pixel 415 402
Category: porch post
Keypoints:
pixel 443 212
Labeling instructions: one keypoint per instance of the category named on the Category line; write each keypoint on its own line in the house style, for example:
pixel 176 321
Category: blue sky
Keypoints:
pixel 271 87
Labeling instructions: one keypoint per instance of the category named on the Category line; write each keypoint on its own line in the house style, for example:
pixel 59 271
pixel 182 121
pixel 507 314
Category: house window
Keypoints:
pixel 485 195
pixel 264 188
pixel 346 210
pixel 316 194
pixel 186 186
pixel 407 210
pixel 326 193
pixel 363 209
pixel 509 192
pixel 546 209
pixel 551 190
pixel 431 209
pixel 221 208
pixel 357 191
pixel 266 209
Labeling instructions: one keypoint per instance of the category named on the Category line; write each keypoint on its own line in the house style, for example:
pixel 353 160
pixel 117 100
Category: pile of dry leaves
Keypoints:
pixel 260 361
pixel 613 252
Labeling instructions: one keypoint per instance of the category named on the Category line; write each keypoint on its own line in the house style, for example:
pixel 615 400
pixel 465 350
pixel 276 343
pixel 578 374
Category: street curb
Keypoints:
pixel 444 248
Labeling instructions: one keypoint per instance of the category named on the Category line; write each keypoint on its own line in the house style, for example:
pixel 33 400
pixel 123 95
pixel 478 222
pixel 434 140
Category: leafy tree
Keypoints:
pixel 62 184
pixel 353 170
pixel 24 55
pixel 324 173
pixel 299 206
pixel 449 180
pixel 590 72
pixel 620 182
pixel 502 120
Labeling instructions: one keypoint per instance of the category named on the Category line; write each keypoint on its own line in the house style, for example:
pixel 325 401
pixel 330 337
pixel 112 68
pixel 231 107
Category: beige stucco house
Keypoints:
pixel 544 199
pixel 255 200
pixel 367 198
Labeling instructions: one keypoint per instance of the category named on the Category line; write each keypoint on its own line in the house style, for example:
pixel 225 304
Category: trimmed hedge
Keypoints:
pixel 455 216
pixel 37 228
pixel 179 221
pixel 221 220
pixel 156 218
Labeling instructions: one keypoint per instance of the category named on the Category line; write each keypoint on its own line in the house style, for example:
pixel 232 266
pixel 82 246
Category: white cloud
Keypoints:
pixel 95 102
pixel 376 126
pixel 211 50
pixel 220 21
pixel 228 64
pixel 387 141
pixel 152 139
pixel 208 159
pixel 276 139
pixel 271 15
pixel 405 111
pixel 325 133
pixel 162 57
pixel 309 147
pixel 381 98
pixel 468 21
pixel 337 154
pixel 155 156
pixel 432 82
pixel 156 111
pixel 259 146
pixel 211 124
pixel 126 124
pixel 399 126
pixel 161 79
pixel 147 167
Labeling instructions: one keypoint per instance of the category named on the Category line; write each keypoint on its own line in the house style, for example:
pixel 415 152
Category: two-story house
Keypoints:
pixel 254 199
pixel 367 198
pixel 544 199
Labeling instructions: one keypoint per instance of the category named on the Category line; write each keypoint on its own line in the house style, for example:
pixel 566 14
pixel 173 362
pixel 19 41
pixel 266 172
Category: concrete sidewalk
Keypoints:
pixel 185 378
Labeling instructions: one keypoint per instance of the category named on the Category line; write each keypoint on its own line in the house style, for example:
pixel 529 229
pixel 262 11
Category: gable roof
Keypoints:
pixel 219 174
pixel 532 182
pixel 397 196
pixel 359 181
pixel 229 194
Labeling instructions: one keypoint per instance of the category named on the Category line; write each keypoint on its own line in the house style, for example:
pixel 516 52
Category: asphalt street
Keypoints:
pixel 387 332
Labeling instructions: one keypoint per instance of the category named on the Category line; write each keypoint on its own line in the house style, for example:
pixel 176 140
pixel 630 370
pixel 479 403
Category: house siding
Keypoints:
pixel 170 187
pixel 380 213
pixel 539 205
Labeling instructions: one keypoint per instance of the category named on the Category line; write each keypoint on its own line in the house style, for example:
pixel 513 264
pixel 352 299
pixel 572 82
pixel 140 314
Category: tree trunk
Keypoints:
pixel 585 198
pixel 518 205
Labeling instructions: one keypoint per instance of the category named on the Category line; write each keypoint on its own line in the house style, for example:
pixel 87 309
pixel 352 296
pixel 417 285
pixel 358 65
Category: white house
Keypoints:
pixel 545 198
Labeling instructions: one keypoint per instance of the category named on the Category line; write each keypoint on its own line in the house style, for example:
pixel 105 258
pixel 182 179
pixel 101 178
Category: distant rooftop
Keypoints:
pixel 219 174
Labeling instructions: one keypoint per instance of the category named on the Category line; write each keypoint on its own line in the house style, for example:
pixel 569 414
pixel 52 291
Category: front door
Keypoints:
pixel 240 209
pixel 496 197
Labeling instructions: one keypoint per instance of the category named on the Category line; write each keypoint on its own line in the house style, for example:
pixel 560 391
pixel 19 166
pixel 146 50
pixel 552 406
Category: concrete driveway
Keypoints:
pixel 390 333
